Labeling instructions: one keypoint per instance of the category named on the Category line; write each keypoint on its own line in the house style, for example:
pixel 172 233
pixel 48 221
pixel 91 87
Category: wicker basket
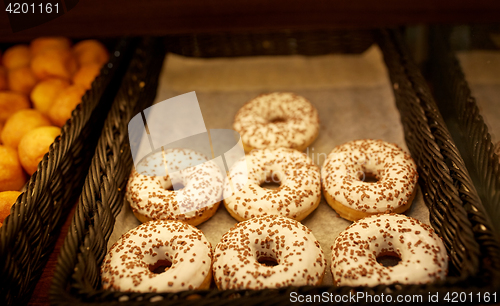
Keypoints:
pixel 77 278
pixel 28 235
pixel 489 247
pixel 473 140
pixel 467 124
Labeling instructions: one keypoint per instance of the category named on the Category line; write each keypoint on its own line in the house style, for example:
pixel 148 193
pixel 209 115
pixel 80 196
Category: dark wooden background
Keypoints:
pixel 98 18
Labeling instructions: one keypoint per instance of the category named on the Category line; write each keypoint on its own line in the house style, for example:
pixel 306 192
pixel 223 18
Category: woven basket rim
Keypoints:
pixel 32 202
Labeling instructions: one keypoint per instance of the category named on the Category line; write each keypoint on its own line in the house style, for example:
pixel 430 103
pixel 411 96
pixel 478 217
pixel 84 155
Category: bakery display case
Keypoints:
pixel 447 195
pixel 359 74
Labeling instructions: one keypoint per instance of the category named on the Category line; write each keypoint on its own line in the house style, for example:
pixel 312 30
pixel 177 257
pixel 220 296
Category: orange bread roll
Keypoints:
pixel 12 176
pixel 16 56
pixel 7 199
pixel 34 145
pixel 64 104
pixel 21 80
pixel 90 51
pixel 54 63
pixel 86 75
pixel 3 78
pixel 42 44
pixel 21 123
pixel 11 102
pixel 45 93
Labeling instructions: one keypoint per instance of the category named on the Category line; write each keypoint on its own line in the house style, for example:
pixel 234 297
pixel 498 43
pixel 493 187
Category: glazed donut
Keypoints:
pixel 347 190
pixel 158 256
pixel 354 254
pixel 277 120
pixel 148 187
pixel 298 195
pixel 268 252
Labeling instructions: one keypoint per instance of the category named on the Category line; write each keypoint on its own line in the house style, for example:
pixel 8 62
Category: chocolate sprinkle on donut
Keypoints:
pixel 127 265
pixel 239 258
pixel 277 120
pixel 148 187
pixel 422 254
pixel 347 166
pixel 299 192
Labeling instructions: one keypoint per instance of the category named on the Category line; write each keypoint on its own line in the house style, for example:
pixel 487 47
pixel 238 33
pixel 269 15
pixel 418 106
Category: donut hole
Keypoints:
pixel 276 120
pixel 369 177
pixel 272 182
pixel 267 261
pixel 160 266
pixel 388 259
pixel 175 187
pixel 271 185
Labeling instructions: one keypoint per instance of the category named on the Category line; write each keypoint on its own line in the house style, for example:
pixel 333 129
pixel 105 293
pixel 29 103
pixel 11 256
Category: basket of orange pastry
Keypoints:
pixel 52 94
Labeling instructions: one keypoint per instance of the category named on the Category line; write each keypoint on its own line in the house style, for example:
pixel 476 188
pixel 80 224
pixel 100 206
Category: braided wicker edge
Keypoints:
pixel 104 185
pixel 91 250
pixel 28 234
pixel 489 247
pixel 476 147
pixel 479 148
pixel 423 125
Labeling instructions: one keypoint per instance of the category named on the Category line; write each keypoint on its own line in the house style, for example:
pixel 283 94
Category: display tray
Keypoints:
pixel 29 233
pixel 100 219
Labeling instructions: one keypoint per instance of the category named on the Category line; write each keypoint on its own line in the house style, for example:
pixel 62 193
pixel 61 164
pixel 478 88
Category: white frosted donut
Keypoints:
pixel 299 192
pixel 149 183
pixel 354 254
pixel 346 167
pixel 158 256
pixel 290 245
pixel 275 120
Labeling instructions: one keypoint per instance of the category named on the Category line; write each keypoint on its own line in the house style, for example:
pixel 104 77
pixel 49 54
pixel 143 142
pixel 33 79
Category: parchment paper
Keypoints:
pixel 352 93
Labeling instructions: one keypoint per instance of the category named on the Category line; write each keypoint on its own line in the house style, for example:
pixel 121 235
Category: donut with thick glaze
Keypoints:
pixel 422 254
pixel 345 172
pixel 297 196
pixel 155 193
pixel 158 256
pixel 241 255
pixel 277 120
